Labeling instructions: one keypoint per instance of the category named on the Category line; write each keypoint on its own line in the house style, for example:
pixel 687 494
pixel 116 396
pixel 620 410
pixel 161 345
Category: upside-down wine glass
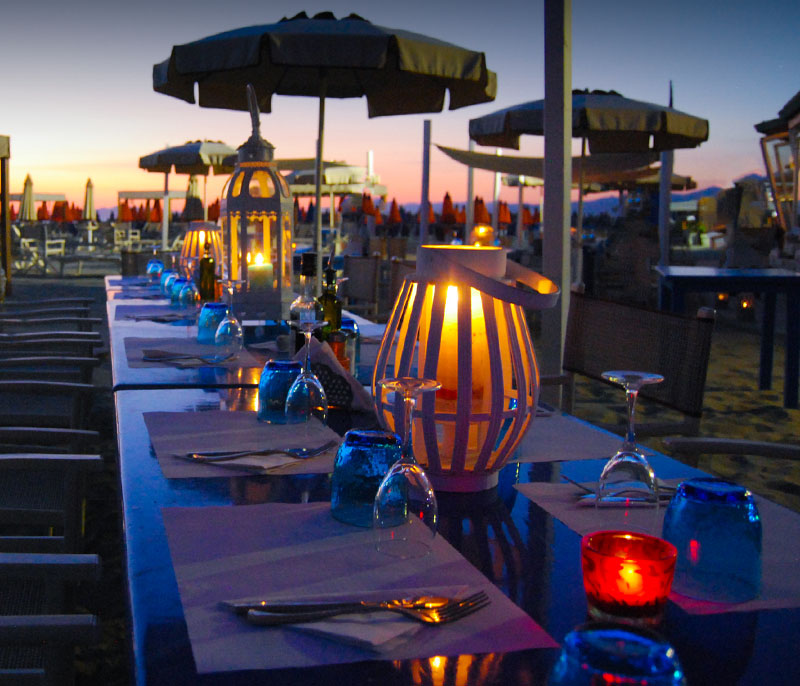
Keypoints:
pixel 628 474
pixel 306 397
pixel 229 337
pixel 405 513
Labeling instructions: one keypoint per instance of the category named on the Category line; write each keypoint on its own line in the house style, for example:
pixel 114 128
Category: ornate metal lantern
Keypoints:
pixel 257 228
pixel 459 319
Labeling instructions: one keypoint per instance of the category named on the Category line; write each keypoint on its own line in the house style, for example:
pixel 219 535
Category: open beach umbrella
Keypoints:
pixel 399 72
pixel 193 157
pixel 27 210
pixel 606 120
pixel 89 211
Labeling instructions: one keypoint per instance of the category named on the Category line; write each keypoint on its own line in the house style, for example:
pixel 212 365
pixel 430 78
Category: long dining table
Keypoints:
pixel 184 531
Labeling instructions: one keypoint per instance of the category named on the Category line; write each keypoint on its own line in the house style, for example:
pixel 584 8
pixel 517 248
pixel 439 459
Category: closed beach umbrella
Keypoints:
pixel 399 72
pixel 193 207
pixel 27 210
pixel 394 214
pixel 89 211
pixel 42 214
pixel 448 211
pixel 60 209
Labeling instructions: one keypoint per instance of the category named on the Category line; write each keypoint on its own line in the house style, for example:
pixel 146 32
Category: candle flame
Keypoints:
pixel 259 258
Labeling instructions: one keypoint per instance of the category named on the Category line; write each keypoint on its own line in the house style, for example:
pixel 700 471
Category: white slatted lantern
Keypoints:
pixel 460 320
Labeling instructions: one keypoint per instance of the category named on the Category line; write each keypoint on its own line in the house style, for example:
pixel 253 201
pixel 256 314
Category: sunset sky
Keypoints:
pixel 78 100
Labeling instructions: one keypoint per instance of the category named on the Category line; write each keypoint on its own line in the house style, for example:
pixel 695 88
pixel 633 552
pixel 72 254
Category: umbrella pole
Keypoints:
pixel 520 205
pixel 318 188
pixel 578 276
pixel 165 216
pixel 205 204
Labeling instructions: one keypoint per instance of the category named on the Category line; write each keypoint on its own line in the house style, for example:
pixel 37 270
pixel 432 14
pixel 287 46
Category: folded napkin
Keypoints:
pixel 184 432
pixel 138 348
pixel 321 354
pixel 375 631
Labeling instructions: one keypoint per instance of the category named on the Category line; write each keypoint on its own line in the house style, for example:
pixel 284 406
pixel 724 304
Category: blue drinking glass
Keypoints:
pixel 210 317
pixel 175 290
pixel 716 528
pixel 603 653
pixel 155 268
pixel 167 277
pixel 363 459
pixel 276 379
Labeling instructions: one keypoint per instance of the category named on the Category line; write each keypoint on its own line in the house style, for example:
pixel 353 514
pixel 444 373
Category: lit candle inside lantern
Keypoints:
pixel 627 575
pixel 259 274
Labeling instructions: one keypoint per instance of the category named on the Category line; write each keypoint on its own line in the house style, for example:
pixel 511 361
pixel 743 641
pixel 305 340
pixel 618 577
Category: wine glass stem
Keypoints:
pixel 307 362
pixel 408 425
pixel 630 439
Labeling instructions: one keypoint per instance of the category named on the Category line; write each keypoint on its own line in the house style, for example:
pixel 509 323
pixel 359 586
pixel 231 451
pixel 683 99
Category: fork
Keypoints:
pixel 223 456
pixel 449 612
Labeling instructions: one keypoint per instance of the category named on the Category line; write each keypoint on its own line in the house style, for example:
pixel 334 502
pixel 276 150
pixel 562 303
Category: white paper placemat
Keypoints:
pixel 300 550
pixel 211 430
pixel 561 438
pixel 780 550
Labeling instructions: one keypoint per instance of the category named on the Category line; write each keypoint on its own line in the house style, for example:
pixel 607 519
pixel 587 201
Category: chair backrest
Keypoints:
pixel 361 287
pixel 604 335
pixel 45 403
pixel 377 245
pixel 396 247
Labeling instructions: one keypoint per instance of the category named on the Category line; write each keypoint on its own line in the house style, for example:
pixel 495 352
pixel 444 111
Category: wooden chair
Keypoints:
pixel 48 346
pixel 37 638
pixel 361 288
pixel 37 312
pixel 604 335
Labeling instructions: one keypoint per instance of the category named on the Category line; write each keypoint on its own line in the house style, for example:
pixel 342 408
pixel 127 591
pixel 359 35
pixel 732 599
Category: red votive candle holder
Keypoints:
pixel 626 575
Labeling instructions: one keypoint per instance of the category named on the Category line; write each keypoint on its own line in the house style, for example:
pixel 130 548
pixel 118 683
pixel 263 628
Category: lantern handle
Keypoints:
pixel 541 293
pixel 252 103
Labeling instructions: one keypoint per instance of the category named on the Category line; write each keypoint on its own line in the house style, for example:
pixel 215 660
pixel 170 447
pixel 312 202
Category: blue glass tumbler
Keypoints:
pixel 167 277
pixel 175 291
pixel 716 527
pixel 602 653
pixel 363 459
pixel 276 379
pixel 210 317
pixel 155 268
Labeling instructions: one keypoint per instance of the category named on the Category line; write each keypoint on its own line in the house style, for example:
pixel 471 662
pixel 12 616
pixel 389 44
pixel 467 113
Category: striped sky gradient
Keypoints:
pixel 78 99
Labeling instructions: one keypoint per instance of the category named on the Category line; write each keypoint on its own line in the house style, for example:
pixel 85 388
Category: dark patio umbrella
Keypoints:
pixel 399 72
pixel 193 157
pixel 607 120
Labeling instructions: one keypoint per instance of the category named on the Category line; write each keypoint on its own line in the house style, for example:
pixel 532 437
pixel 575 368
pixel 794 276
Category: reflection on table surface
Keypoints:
pixel 531 557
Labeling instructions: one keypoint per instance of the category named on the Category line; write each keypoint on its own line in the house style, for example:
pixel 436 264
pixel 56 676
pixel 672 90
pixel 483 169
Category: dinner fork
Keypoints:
pixel 449 612
pixel 224 456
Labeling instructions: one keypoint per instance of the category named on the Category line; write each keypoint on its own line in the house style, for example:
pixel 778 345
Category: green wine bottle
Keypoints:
pixel 207 275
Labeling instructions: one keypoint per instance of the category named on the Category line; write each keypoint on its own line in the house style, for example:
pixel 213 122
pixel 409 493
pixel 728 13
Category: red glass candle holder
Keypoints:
pixel 627 575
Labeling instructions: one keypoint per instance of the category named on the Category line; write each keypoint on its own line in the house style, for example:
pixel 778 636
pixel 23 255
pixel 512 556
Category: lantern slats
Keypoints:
pixel 389 334
pixel 464 399
pixel 523 401
pixel 481 352
pixel 495 417
pixel 430 350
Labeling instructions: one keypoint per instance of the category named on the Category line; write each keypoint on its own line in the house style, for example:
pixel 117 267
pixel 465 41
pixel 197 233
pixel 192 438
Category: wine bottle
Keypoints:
pixel 330 304
pixel 207 275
